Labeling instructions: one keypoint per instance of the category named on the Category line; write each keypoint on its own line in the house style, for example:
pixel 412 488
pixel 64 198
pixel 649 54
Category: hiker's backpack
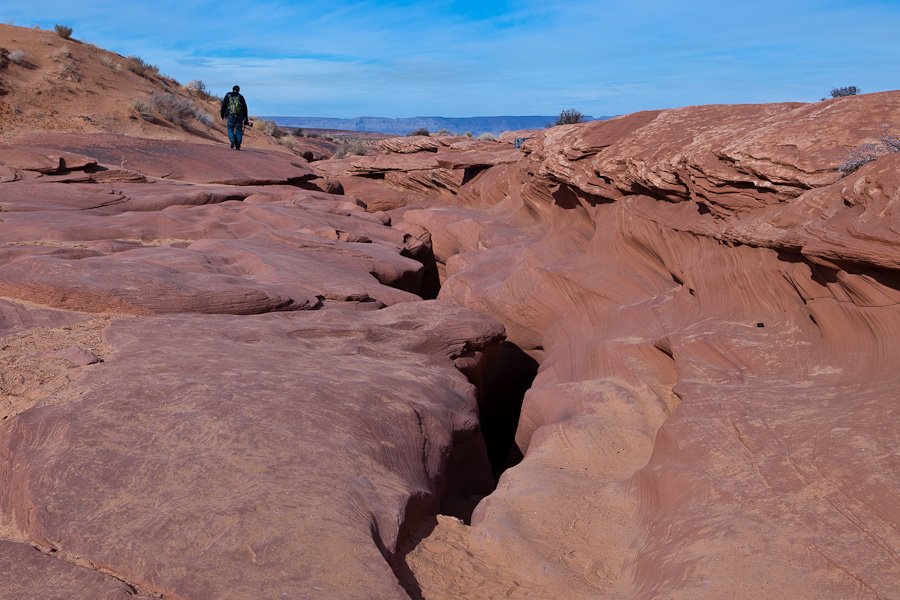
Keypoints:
pixel 234 104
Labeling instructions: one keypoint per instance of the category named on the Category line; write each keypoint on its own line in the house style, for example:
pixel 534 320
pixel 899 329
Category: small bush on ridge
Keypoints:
pixel 110 61
pixel 421 131
pixel 63 31
pixel 487 136
pixel 137 65
pixel 199 88
pixel 840 92
pixel 569 116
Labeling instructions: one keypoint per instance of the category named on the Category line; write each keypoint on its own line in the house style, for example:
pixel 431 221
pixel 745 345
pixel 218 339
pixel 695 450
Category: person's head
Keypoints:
pixel 236 88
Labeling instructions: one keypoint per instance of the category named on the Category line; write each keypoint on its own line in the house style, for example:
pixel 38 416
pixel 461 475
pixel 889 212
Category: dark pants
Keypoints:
pixel 235 130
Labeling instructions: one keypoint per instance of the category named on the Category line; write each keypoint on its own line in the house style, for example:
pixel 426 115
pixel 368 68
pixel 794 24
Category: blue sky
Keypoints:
pixel 459 58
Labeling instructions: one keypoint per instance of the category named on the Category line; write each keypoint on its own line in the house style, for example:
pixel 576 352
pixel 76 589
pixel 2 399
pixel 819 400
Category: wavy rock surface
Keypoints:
pixel 221 455
pixel 213 390
pixel 714 309
pixel 248 456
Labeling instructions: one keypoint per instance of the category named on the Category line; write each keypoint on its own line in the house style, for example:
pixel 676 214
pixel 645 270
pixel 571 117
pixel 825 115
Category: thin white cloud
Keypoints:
pixel 458 57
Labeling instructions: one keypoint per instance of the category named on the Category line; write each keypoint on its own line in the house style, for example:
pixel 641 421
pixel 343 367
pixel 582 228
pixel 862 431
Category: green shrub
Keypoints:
pixel 840 92
pixel 569 116
pixel 63 31
pixel 422 131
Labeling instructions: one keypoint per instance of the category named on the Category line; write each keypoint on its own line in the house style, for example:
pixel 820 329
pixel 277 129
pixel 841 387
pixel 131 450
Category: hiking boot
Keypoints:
pixel 232 144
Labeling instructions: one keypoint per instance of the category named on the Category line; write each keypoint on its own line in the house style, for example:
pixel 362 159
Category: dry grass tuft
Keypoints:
pixel 140 67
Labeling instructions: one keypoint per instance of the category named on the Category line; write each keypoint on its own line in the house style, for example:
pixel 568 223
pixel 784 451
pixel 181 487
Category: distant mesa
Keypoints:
pixel 403 126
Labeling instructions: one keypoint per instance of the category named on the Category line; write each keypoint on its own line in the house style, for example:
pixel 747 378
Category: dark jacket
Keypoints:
pixel 242 110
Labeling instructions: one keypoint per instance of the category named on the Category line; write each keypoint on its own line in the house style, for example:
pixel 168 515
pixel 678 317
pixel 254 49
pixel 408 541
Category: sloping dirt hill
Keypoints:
pixel 51 84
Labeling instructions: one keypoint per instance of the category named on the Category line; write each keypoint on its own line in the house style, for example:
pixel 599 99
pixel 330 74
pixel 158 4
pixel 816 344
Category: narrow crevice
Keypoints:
pixel 502 376
pixel 430 283
pixel 502 373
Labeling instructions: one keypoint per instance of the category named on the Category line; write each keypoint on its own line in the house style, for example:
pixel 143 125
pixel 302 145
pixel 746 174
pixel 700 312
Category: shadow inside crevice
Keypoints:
pixel 503 376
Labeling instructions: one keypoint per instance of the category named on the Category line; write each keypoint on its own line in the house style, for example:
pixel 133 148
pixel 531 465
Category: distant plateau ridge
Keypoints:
pixel 403 126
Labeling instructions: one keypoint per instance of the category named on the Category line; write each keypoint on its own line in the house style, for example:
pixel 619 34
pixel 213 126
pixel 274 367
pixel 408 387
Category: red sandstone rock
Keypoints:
pixel 29 573
pixel 212 452
pixel 704 423
pixel 713 307
pixel 183 161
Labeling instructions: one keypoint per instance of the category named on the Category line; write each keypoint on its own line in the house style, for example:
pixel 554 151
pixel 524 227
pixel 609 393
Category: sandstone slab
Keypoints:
pixel 249 456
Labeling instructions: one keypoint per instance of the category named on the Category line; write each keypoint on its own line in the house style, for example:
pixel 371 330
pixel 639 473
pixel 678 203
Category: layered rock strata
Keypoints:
pixel 714 308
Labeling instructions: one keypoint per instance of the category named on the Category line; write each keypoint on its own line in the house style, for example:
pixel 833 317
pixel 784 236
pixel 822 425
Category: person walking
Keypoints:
pixel 234 109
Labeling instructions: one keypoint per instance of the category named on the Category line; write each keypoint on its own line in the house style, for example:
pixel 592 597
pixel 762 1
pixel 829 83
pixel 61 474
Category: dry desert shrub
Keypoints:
pixel 269 127
pixel 348 148
pixel 109 60
pixel 866 153
pixel 859 156
pixel 172 108
pixel 176 109
pixel 68 70
pixel 422 131
pixel 198 88
pixel 891 142
pixel 144 109
pixel 63 31
pixel 17 57
pixel 569 116
pixel 487 137
pixel 205 119
pixel 137 65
